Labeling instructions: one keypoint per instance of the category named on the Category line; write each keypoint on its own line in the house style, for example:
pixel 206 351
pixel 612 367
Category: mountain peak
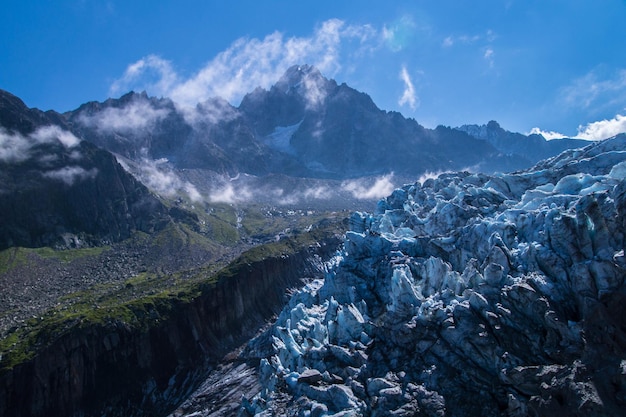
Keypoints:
pixel 301 75
pixel 493 125
pixel 297 73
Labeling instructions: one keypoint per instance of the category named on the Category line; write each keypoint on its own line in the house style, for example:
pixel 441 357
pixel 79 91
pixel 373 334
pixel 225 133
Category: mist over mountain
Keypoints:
pixel 58 190
pixel 306 141
pixel 305 125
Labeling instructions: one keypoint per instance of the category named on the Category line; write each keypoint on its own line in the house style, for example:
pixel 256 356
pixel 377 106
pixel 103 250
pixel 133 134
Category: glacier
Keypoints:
pixel 464 295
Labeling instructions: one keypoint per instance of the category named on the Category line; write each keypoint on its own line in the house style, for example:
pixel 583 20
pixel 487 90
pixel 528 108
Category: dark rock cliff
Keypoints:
pixel 146 368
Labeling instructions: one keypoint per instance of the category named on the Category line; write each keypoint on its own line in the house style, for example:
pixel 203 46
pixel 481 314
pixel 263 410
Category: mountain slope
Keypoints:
pixel 58 190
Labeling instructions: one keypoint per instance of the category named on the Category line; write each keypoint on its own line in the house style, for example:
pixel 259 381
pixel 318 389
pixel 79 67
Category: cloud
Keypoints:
pixel 489 56
pixel 360 189
pixel 15 147
pixel 137 115
pixel 430 175
pixel 154 73
pixel 465 39
pixel 596 89
pixel 247 64
pixel 399 34
pixel 408 96
pixel 158 177
pixel 48 134
pixel 229 194
pixel 602 129
pixel 70 174
pixel 549 135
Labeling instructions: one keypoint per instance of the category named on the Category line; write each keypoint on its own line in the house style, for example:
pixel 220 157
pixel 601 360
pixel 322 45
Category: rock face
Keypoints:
pixel 466 295
pixel 56 190
pixel 121 368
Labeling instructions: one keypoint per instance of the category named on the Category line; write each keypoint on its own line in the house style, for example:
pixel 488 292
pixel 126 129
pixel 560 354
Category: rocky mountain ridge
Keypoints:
pixel 304 126
pixel 532 148
pixel 56 190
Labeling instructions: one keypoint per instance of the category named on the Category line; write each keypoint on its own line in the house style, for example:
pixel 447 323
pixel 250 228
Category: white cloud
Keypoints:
pixel 360 189
pixel 596 89
pixel 47 134
pixel 70 174
pixel 229 194
pixel 465 39
pixel 158 177
pixel 603 129
pixel 549 135
pixel 154 73
pixel 15 147
pixel 317 193
pixel 137 115
pixel 408 96
pixel 489 56
pixel 247 64
pixel 430 175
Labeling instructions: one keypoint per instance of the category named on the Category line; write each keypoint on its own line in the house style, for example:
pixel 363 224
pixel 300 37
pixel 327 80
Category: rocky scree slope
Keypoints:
pixel 465 295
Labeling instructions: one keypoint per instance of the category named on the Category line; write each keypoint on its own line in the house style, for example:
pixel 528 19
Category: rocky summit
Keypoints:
pixel 464 295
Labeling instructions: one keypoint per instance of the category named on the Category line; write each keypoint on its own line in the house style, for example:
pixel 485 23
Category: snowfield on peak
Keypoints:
pixel 464 295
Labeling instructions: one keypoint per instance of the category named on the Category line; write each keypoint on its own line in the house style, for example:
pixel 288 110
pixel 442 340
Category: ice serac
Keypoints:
pixel 466 295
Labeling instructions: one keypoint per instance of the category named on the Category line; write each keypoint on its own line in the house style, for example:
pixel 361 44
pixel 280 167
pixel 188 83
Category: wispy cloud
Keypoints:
pixel 408 96
pixel 230 194
pixel 547 134
pixel 160 178
pixel 48 134
pixel 363 189
pixel 70 174
pixel 603 129
pixel 153 73
pixel 399 34
pixel 596 89
pixel 15 147
pixel 488 37
pixel 138 114
pixel 489 56
pixel 247 64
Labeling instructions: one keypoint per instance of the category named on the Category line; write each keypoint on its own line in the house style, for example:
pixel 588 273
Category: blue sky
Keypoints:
pixel 556 65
